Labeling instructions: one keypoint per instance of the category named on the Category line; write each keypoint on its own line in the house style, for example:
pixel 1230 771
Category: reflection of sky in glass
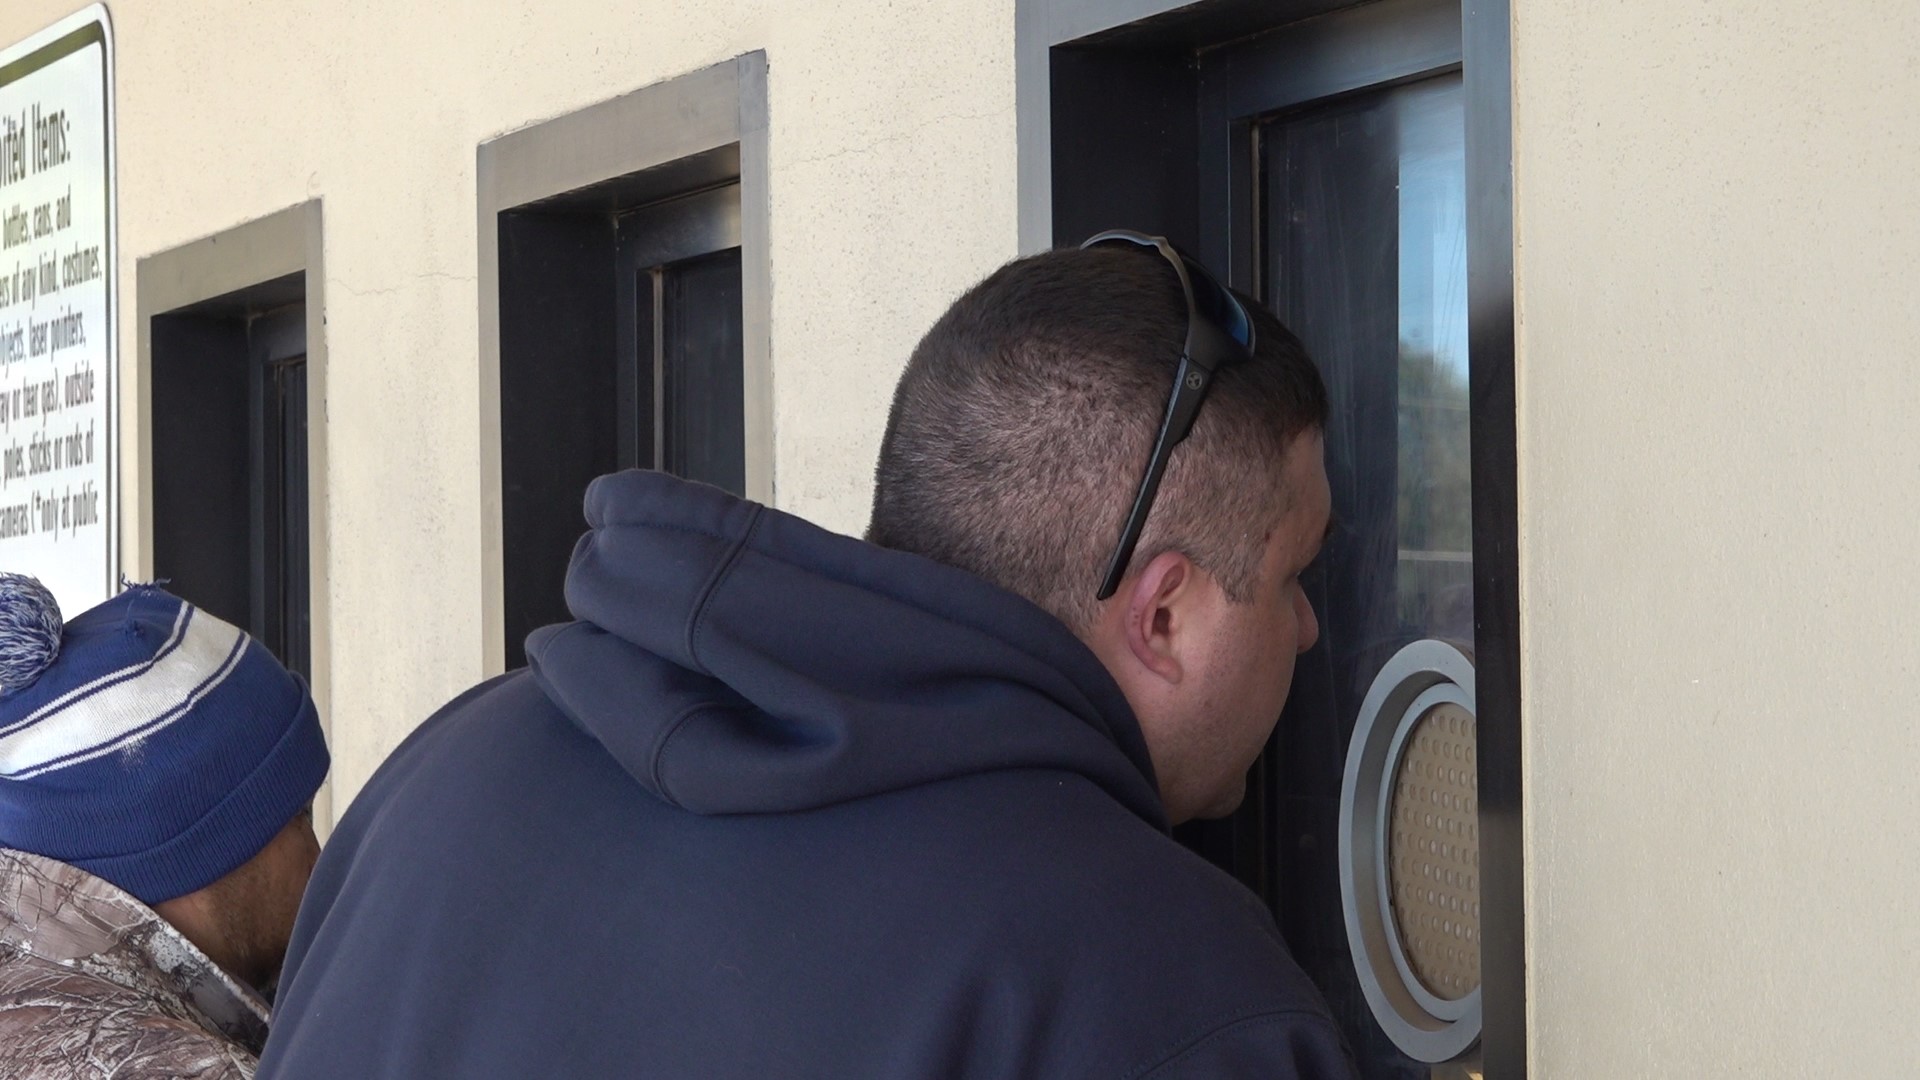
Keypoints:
pixel 1433 227
pixel 1435 573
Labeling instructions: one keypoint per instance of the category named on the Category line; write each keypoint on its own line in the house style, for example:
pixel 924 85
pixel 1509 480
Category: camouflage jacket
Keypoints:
pixel 94 984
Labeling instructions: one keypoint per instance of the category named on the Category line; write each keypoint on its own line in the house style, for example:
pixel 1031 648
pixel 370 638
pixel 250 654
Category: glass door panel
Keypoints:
pixel 1360 235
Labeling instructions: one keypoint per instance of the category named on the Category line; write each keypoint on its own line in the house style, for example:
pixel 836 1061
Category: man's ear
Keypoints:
pixel 1158 603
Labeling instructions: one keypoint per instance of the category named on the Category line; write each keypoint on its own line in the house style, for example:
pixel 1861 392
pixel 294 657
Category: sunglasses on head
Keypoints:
pixel 1219 335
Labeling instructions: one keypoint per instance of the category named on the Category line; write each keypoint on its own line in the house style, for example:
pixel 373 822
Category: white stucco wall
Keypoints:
pixel 892 187
pixel 1718 245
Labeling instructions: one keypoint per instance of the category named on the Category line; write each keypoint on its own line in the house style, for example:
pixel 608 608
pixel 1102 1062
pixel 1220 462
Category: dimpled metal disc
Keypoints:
pixel 1433 853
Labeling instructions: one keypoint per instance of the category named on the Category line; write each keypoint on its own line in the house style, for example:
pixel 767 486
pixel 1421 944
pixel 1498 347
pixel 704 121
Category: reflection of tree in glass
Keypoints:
pixel 1434 498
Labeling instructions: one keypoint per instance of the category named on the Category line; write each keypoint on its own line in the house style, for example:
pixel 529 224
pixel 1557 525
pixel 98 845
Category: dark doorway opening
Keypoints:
pixel 1314 154
pixel 621 346
pixel 230 451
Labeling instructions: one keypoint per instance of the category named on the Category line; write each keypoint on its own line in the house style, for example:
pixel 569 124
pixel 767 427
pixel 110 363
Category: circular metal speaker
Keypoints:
pixel 1410 852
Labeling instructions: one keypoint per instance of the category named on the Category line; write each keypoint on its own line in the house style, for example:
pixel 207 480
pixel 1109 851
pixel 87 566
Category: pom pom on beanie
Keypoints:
pixel 30 627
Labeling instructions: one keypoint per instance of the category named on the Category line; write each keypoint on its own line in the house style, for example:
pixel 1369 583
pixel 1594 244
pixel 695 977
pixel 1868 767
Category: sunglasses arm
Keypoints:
pixel 1189 390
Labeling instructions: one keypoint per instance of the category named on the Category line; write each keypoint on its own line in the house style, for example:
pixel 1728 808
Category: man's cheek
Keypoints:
pixel 1281 674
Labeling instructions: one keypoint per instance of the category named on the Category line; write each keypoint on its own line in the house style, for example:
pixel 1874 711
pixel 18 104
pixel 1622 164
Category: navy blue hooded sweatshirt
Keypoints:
pixel 781 804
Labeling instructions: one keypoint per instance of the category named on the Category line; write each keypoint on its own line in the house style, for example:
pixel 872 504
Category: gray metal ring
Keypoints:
pixel 1386 716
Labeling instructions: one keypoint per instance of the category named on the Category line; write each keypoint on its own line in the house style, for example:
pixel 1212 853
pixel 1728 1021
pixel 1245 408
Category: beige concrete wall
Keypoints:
pixel 1720 484
pixel 892 187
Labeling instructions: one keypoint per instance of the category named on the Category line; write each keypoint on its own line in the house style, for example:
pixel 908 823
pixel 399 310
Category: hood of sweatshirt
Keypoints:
pixel 734 659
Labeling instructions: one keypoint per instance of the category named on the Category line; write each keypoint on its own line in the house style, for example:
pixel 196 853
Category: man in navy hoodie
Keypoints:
pixel 782 803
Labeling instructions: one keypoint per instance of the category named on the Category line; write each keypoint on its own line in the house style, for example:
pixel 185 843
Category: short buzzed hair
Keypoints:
pixel 1023 422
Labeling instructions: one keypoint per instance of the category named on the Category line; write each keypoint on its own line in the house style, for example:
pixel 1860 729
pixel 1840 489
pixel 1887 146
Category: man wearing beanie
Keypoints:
pixel 156 769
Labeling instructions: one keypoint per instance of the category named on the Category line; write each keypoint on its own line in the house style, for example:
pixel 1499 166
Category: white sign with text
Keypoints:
pixel 59 350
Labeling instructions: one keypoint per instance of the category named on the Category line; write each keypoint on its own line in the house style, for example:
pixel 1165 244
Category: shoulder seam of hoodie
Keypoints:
pixel 697 621
pixel 1219 1029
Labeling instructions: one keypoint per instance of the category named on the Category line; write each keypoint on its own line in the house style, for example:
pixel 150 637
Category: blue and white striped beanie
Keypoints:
pixel 146 742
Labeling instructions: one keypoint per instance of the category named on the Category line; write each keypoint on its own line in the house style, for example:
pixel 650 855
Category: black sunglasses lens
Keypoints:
pixel 1221 307
pixel 1239 323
